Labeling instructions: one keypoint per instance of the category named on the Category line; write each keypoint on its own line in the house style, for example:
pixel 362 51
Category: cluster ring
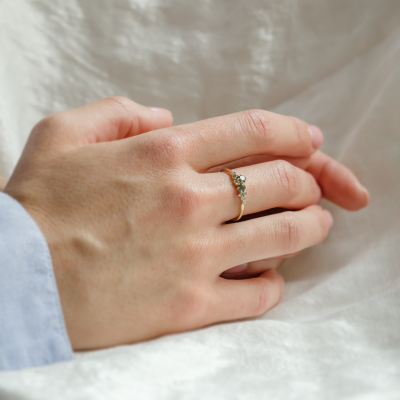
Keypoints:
pixel 239 181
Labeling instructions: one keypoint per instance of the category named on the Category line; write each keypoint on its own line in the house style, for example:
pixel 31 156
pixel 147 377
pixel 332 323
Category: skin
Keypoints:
pixel 3 183
pixel 135 216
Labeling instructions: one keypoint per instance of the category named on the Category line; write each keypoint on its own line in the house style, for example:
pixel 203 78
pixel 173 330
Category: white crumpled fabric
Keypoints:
pixel 336 64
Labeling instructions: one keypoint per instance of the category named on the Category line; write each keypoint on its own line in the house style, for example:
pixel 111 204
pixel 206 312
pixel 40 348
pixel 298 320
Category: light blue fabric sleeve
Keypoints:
pixel 32 329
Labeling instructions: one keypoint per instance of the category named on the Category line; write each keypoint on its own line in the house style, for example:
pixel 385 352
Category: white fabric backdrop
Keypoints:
pixel 336 64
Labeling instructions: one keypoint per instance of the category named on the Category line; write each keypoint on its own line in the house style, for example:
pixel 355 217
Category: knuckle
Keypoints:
pixel 288 228
pixel 315 189
pixel 262 299
pixel 189 305
pixel 260 126
pixel 186 199
pixel 297 127
pixel 300 130
pixel 168 148
pixel 49 123
pixel 189 199
pixel 121 102
pixel 45 131
pixel 287 178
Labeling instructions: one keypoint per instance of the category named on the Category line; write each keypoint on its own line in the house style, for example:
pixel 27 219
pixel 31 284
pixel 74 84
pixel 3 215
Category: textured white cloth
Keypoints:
pixel 336 64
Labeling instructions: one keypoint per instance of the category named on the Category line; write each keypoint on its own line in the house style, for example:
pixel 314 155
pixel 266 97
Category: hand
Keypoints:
pixel 136 228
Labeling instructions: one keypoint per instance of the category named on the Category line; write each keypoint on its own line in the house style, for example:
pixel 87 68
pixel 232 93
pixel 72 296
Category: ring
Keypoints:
pixel 239 181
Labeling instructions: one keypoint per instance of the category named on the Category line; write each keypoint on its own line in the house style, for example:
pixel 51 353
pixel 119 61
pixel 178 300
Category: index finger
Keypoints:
pixel 224 139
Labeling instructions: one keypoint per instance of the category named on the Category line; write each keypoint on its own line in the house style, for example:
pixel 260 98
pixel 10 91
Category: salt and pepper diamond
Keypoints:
pixel 240 186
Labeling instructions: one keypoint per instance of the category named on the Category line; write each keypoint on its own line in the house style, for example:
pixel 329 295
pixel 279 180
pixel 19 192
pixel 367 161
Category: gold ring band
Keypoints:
pixel 239 181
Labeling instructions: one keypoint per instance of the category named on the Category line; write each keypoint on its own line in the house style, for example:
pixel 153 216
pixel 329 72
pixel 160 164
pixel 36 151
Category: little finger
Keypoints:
pixel 275 235
pixel 236 299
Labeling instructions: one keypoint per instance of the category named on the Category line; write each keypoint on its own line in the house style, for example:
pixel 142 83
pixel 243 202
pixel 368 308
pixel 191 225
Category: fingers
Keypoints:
pixel 298 162
pixel 252 269
pixel 224 139
pixel 255 268
pixel 317 139
pixel 106 120
pixel 268 185
pixel 236 299
pixel 274 235
pixel 337 182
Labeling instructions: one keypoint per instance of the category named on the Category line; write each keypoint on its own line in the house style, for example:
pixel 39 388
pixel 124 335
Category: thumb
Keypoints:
pixel 110 119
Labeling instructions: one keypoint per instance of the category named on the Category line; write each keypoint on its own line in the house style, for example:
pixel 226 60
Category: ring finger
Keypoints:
pixel 268 185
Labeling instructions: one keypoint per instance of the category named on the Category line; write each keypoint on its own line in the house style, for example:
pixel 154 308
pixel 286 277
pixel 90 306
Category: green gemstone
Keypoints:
pixel 241 187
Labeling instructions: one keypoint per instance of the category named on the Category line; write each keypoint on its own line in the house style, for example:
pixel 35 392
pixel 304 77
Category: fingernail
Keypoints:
pixel 361 188
pixel 238 268
pixel 158 109
pixel 329 218
pixel 317 138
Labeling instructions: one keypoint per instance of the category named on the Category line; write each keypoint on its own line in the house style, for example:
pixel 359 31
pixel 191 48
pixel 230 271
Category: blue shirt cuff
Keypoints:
pixel 32 328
